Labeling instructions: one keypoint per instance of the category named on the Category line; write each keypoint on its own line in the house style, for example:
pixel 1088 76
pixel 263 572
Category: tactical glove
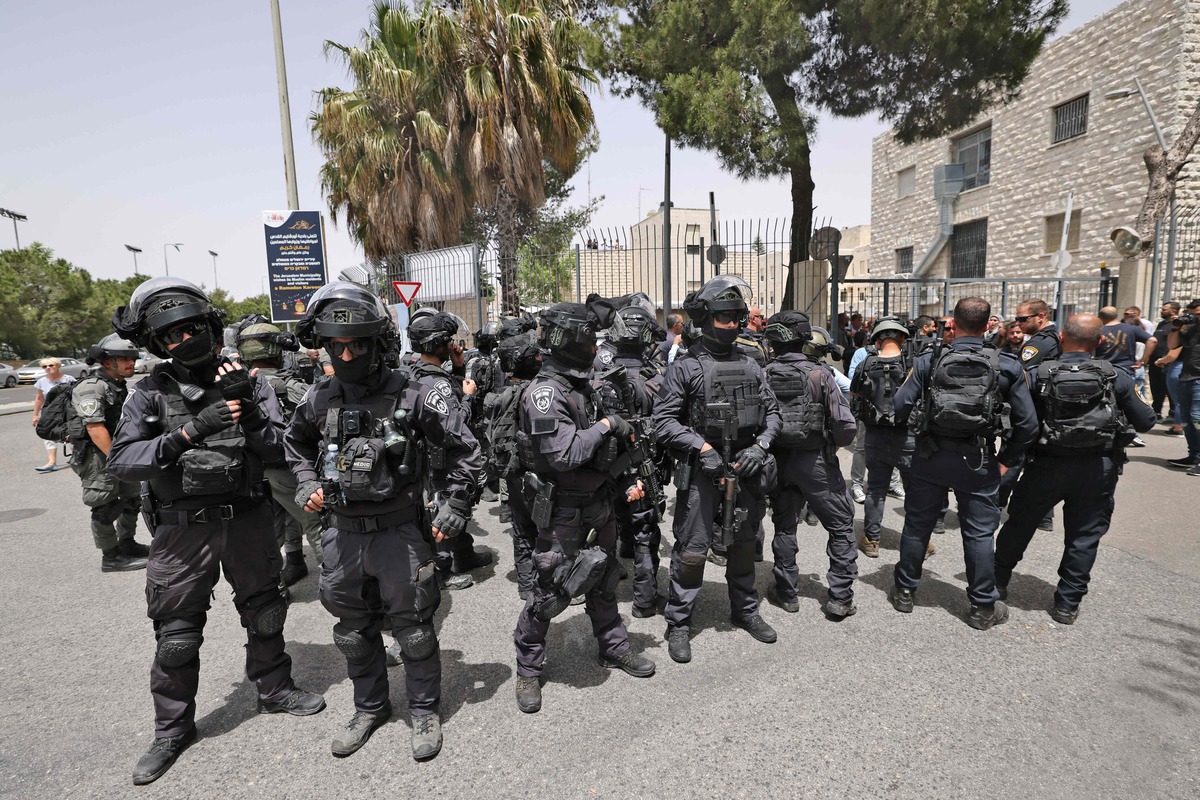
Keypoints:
pixel 750 462
pixel 252 419
pixel 306 490
pixel 620 427
pixel 213 419
pixel 451 518
pixel 236 385
pixel 711 464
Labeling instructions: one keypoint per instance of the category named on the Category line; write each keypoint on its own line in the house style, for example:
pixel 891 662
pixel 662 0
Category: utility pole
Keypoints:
pixel 214 254
pixel 667 231
pixel 135 251
pixel 15 217
pixel 285 111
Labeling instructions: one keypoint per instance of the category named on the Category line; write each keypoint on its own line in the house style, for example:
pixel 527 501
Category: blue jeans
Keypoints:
pixel 1188 404
pixel 1172 375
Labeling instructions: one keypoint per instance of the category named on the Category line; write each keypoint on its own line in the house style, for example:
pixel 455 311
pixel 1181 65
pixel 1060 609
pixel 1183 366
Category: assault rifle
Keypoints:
pixel 641 454
pixel 732 517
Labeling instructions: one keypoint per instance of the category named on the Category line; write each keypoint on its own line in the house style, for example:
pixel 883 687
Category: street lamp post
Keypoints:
pixel 166 264
pixel 15 217
pixel 135 251
pixel 214 254
pixel 1162 142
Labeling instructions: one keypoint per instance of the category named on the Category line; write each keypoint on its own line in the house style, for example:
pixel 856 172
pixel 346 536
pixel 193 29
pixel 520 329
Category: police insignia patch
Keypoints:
pixel 542 398
pixel 1028 352
pixel 436 403
pixel 606 357
pixel 444 388
pixel 556 337
pixel 342 316
pixel 88 408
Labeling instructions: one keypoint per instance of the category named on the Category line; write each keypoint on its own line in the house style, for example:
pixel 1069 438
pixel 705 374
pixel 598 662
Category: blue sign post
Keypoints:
pixel 295 261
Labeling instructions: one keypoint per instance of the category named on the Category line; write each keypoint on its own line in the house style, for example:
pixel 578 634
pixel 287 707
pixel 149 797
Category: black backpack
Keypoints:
pixel 963 399
pixel 802 411
pixel 56 413
pixel 874 387
pixel 1078 409
pixel 502 409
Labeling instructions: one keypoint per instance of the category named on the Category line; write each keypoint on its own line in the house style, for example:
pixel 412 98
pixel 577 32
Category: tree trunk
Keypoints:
pixel 507 242
pixel 799 165
pixel 1164 167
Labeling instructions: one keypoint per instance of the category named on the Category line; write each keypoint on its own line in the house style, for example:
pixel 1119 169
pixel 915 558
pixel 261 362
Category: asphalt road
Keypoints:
pixel 879 705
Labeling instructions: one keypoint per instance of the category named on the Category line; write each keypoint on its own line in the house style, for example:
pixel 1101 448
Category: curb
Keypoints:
pixel 15 408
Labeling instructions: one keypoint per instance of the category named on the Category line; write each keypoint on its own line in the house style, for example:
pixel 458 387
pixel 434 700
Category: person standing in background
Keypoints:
pixel 53 377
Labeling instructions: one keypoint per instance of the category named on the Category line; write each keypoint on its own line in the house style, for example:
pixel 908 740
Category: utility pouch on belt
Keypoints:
pixel 542 510
pixel 208 471
pixel 147 502
pixel 683 474
pixel 606 454
pixel 365 475
pixel 586 571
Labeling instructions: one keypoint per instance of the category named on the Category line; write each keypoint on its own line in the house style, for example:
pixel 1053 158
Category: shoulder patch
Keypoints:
pixel 443 386
pixel 89 407
pixel 542 397
pixel 1028 352
pixel 437 403
pixel 606 357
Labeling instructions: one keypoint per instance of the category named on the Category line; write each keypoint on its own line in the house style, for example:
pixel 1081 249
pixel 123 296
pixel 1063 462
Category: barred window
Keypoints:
pixel 692 239
pixel 974 152
pixel 906 182
pixel 1054 226
pixel 904 261
pixel 968 253
pixel 1070 119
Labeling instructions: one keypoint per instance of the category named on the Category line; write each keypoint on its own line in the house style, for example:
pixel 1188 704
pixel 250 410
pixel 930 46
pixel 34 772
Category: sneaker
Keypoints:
pixel 473 560
pixel 869 547
pixel 835 609
pixel 897 492
pixel 1063 615
pixel 298 703
pixel 756 627
pixel 1173 432
pixel 984 617
pixel 631 663
pixel 810 518
pixel 133 549
pixel 456 582
pixel 116 561
pixel 901 599
pixel 940 525
pixel 295 569
pixel 161 755
pixel 426 736
pixel 717 559
pixel 1183 463
pixel 679 645
pixel 1137 442
pixel 1002 590
pixel 644 612
pixel 529 694
pixel 791 606
pixel 857 494
pixel 1194 470
pixel 488 496
pixel 360 727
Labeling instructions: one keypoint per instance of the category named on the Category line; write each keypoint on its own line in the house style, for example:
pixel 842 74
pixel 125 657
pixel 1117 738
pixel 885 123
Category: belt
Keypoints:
pixel 378 522
pixel 188 516
pixel 575 498
pixel 962 445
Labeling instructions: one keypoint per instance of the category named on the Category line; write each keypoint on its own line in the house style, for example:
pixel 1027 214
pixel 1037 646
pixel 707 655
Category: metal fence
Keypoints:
pixel 1183 284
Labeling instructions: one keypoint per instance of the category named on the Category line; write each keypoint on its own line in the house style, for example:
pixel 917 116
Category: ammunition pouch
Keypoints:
pixel 364 472
pixel 212 471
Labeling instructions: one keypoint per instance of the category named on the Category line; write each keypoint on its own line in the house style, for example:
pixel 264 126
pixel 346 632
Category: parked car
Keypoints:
pixel 145 362
pixel 34 371
pixel 8 376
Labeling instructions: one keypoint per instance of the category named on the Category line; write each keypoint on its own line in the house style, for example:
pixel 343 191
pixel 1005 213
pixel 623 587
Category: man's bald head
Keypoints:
pixel 1081 333
pixel 1107 314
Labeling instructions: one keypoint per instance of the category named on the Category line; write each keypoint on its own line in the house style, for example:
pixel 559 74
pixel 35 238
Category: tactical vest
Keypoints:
pixel 874 389
pixel 219 468
pixel 483 370
pixel 503 409
pixel 1078 409
pixel 733 387
pixel 803 411
pixel 963 400
pixel 77 429
pixel 278 381
pixel 583 405
pixel 363 458
pixel 753 347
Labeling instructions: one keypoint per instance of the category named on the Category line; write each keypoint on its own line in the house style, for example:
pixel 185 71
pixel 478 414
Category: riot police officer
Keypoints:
pixel 815 422
pixel 631 380
pixel 567 450
pixel 97 402
pixel 958 396
pixel 720 418
pixel 432 339
pixel 888 445
pixel 261 346
pixel 360 444
pixel 1086 409
pixel 198 431
pixel 482 369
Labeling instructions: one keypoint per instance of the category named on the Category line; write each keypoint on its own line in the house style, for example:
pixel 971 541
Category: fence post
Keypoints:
pixel 702 257
pixel 1156 269
pixel 1004 300
pixel 945 298
pixel 886 286
pixel 578 277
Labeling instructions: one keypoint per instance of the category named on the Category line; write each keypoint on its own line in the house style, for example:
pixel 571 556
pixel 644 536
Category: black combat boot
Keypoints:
pixel 115 561
pixel 840 609
pixel 679 646
pixel 159 758
pixel 529 694
pixel 298 703
pixel 756 627
pixel 358 730
pixel 984 617
pixel 633 664
pixel 901 599
pixel 1063 615
pixel 294 569
pixel 133 549
pixel 473 559
pixel 426 736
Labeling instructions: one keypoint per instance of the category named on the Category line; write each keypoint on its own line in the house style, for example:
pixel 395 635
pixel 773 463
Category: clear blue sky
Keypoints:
pixel 136 122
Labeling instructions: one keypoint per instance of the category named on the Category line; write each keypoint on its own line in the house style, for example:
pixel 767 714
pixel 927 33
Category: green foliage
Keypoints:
pixel 544 276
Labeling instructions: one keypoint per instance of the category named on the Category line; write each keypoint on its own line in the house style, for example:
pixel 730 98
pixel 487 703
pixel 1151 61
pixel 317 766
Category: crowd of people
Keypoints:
pixel 577 423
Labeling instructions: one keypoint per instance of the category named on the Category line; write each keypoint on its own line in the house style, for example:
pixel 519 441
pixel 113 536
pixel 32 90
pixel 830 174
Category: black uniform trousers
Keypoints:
pixel 185 564
pixel 524 534
pixel 639 522
pixel 885 449
pixel 974 478
pixel 568 530
pixel 694 528
pixel 1086 486
pixel 372 581
pixel 812 476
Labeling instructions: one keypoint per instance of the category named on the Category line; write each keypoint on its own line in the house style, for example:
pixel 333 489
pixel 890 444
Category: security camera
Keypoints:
pixel 1127 241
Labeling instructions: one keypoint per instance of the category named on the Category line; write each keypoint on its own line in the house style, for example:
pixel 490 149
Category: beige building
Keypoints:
pixel 999 211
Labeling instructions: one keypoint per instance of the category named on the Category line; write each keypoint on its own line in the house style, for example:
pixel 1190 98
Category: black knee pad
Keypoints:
pixel 417 643
pixel 551 605
pixel 606 587
pixel 267 619
pixel 179 640
pixel 691 568
pixel 356 647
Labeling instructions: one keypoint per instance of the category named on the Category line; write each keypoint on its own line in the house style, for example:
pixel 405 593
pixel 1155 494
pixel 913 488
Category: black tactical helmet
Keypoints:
pixel 111 346
pixel 635 327
pixel 429 332
pixel 888 328
pixel 343 309
pixel 569 329
pixel 520 355
pixel 787 331
pixel 160 304
pixel 487 337
pixel 723 294
pixel 821 344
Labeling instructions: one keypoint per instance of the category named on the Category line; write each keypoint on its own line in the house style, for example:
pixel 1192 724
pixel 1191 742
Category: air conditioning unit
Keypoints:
pixel 929 296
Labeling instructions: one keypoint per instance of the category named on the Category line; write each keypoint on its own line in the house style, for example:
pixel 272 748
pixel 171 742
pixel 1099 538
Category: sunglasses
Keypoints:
pixel 175 335
pixel 1022 319
pixel 726 317
pixel 357 347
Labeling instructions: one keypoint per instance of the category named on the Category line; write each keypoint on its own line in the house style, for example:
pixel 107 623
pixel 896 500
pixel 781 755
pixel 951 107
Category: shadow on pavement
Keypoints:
pixel 1178 684
pixel 933 591
pixel 465 683
pixel 1027 592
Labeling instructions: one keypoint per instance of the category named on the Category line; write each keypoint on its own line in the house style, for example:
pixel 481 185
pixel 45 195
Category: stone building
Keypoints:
pixel 1002 204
